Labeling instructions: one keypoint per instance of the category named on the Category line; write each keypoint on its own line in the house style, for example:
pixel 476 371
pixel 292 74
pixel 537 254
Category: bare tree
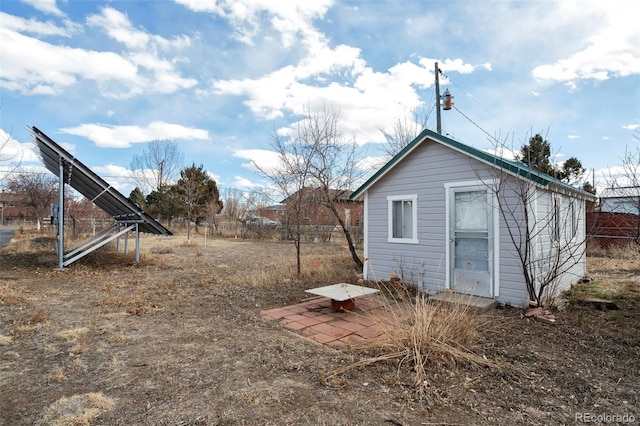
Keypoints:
pixel 39 191
pixel 158 165
pixel 546 228
pixel 332 164
pixel 234 206
pixel 316 156
pixel 290 177
pixel 85 216
pixel 404 130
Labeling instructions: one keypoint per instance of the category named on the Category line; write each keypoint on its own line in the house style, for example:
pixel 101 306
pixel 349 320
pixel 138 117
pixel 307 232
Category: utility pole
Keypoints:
pixel 438 118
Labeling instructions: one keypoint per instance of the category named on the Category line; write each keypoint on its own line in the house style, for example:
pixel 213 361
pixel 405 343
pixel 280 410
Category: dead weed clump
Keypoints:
pixel 81 409
pixel 76 338
pixel 422 336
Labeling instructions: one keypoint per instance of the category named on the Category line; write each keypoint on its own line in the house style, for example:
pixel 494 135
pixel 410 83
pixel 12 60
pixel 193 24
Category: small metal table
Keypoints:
pixel 342 295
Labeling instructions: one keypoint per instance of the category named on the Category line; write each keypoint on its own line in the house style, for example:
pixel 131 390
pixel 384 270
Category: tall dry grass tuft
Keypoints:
pixel 421 335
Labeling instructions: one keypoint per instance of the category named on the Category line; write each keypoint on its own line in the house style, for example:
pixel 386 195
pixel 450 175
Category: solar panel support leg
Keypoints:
pixel 61 216
pixel 137 244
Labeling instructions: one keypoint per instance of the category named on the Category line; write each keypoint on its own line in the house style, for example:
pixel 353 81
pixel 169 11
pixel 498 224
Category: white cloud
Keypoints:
pixel 335 75
pixel 372 164
pixel 46 6
pixel 33 26
pixel 13 153
pixel 265 160
pixel 367 100
pixel 240 182
pixel 31 66
pixel 611 51
pixel 454 65
pixel 292 19
pixel 113 171
pixel 573 136
pixel 631 126
pixel 118 26
pixel 107 136
pixel 117 176
pixel 35 67
pixel 503 152
pixel 214 177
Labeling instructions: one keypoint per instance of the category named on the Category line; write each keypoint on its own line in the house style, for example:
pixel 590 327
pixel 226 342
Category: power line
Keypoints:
pixel 477 103
pixel 477 125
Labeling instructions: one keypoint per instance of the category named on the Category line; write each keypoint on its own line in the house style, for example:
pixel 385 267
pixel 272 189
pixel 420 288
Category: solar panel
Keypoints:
pixel 92 186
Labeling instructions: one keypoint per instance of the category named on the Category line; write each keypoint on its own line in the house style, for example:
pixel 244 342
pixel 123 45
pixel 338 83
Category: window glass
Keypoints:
pixel 402 211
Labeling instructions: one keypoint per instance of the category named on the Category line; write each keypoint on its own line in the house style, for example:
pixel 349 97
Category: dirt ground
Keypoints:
pixel 179 340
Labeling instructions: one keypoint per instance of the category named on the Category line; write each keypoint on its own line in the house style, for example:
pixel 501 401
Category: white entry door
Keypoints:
pixel 471 239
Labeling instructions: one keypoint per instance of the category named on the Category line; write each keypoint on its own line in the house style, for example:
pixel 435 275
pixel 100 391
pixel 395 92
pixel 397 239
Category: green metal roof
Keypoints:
pixel 513 167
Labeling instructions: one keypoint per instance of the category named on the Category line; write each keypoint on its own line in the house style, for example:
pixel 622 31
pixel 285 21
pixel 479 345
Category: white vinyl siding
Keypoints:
pixel 403 219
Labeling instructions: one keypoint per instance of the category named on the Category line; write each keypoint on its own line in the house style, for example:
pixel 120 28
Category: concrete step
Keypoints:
pixel 481 305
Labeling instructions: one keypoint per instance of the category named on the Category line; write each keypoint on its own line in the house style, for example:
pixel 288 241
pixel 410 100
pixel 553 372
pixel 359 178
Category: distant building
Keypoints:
pixel 315 211
pixel 616 219
pixel 13 209
pixel 620 200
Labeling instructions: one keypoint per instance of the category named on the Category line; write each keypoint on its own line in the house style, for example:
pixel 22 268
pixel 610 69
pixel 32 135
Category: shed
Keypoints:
pixel 444 215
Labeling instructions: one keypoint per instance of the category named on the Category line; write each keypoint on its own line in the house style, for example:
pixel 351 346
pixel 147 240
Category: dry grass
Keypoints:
pixel 57 375
pixel 621 292
pixel 328 269
pixel 10 296
pixel 38 317
pixel 628 251
pixel 5 340
pixel 77 410
pixel 208 356
pixel 76 338
pixel 615 276
pixel 422 336
pixel 74 335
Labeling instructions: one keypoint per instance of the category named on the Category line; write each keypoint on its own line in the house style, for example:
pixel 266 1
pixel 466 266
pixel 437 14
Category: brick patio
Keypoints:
pixel 316 320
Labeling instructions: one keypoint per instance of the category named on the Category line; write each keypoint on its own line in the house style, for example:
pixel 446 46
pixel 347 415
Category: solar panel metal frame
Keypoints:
pixel 92 186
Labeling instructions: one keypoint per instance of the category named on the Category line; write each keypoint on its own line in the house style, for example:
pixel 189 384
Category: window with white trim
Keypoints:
pixel 403 218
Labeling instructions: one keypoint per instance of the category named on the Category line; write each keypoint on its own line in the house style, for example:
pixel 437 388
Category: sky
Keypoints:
pixel 220 78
